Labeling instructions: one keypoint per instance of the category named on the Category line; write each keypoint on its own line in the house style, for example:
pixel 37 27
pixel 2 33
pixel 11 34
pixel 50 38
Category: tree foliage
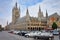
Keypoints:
pixel 0 26
pixel 54 25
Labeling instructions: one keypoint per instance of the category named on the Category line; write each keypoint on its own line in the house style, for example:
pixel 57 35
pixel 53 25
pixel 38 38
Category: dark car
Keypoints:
pixel 0 30
pixel 22 33
pixel 55 32
pixel 10 32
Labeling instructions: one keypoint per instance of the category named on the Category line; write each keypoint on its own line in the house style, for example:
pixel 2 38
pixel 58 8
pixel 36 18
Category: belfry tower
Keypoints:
pixel 15 13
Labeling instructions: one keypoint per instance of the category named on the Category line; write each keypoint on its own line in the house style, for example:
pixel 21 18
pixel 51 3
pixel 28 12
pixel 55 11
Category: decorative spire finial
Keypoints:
pixel 39 9
pixel 16 4
pixel 27 13
pixel 46 14
pixel 7 22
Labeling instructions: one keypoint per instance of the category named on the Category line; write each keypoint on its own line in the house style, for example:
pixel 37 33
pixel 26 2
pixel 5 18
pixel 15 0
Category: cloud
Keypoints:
pixel 3 22
pixel 51 6
pixel 29 2
pixel 33 10
pixel 33 5
pixel 5 11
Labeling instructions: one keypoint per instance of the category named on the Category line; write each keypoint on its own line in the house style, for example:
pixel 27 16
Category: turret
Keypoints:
pixel 46 15
pixel 16 5
pixel 46 18
pixel 40 14
pixel 7 22
pixel 27 15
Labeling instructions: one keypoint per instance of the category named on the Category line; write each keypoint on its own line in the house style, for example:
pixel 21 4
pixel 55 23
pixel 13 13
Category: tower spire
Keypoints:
pixel 39 9
pixel 46 18
pixel 16 4
pixel 39 14
pixel 46 14
pixel 7 22
pixel 27 13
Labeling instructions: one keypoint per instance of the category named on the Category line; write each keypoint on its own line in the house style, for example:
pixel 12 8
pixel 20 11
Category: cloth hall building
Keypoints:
pixel 31 23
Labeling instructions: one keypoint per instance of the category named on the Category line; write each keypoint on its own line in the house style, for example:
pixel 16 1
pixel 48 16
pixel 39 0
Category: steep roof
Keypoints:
pixel 20 20
pixel 54 15
pixel 34 19
pixel 23 19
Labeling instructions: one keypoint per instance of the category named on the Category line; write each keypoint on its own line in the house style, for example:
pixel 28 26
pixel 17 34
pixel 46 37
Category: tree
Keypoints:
pixel 54 25
pixel 0 27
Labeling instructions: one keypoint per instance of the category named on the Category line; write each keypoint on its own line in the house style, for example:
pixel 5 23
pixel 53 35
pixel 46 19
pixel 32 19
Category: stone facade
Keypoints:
pixel 31 23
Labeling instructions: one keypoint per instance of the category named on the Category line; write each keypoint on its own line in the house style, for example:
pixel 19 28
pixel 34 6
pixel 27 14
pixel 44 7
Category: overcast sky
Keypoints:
pixel 6 6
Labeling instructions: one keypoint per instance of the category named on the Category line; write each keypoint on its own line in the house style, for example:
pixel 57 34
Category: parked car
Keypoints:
pixel 32 34
pixel 58 30
pixel 16 32
pixel 55 32
pixel 10 31
pixel 22 33
pixel 44 35
pixel 13 31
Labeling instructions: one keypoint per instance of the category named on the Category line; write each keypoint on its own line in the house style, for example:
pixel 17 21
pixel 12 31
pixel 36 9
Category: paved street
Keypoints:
pixel 7 36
